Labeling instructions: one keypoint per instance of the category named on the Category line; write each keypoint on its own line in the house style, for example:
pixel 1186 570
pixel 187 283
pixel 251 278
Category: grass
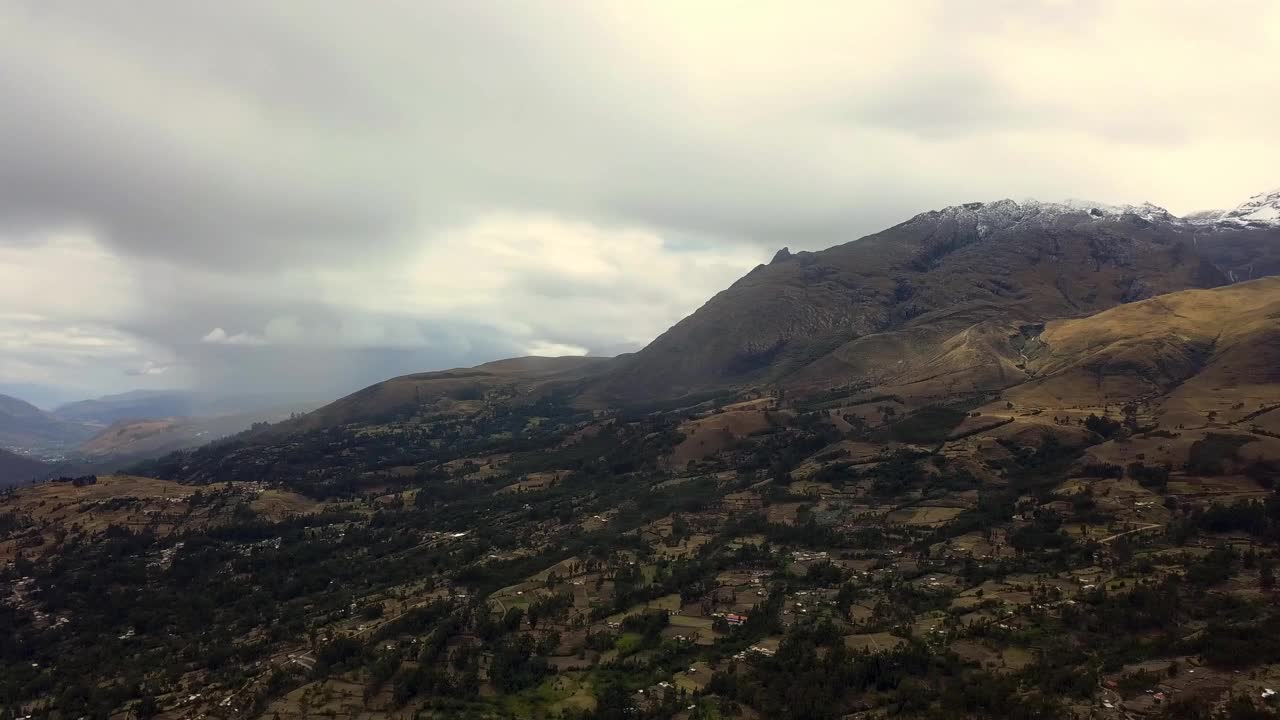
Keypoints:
pixel 628 644
pixel 552 697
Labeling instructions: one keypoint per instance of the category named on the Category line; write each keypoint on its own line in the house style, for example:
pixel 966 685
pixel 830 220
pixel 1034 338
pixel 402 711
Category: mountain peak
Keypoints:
pixel 1262 209
pixel 1009 212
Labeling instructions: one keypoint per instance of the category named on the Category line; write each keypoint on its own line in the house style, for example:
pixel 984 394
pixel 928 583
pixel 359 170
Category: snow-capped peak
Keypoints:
pixel 1146 210
pixel 1030 207
pixel 1262 209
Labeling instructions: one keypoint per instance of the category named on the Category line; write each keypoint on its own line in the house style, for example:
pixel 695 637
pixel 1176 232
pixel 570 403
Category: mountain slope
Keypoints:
pixel 1188 349
pixel 460 391
pixel 941 271
pixel 16 469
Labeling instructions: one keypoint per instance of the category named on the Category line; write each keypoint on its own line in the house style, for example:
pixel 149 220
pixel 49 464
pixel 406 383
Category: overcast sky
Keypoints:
pixel 318 195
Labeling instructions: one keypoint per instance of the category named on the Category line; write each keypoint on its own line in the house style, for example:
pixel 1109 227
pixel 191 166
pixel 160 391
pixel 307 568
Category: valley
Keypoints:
pixel 1000 461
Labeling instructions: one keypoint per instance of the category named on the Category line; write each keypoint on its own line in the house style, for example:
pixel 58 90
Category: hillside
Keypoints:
pixel 1196 341
pixel 457 392
pixel 16 469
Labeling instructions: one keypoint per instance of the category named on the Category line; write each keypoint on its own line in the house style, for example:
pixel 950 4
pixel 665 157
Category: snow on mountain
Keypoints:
pixel 1261 209
pixel 1004 213
pixel 1146 211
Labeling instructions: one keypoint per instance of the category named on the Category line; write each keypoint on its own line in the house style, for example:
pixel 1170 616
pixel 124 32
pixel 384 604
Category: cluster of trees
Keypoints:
pixel 1259 518
pixel 813 675
pixel 1215 453
pixel 1150 476
pixel 78 481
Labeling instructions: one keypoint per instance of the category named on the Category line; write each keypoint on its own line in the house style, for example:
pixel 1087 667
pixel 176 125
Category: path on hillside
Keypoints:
pixel 1130 532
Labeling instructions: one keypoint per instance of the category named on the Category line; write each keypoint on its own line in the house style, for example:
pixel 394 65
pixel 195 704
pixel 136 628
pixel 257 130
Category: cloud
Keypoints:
pixel 254 193
pixel 550 349
pixel 149 368
pixel 218 336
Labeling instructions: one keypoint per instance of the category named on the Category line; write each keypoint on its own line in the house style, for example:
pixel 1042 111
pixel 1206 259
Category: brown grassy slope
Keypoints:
pixel 461 391
pixel 129 436
pixel 1184 348
pixel 942 271
pixel 923 363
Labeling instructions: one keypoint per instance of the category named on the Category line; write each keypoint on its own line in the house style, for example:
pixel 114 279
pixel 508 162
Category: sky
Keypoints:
pixel 270 195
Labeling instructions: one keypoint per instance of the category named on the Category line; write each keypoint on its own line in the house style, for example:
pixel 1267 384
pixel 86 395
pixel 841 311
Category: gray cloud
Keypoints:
pixel 242 193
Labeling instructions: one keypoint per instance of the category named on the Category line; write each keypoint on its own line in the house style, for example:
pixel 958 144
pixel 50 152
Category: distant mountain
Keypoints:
pixel 16 469
pixel 130 426
pixel 139 404
pixel 43 396
pixel 126 441
pixel 159 404
pixel 27 426
pixel 1260 211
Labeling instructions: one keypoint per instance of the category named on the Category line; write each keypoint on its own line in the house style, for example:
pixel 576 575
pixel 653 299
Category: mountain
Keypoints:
pixel 42 396
pixel 16 469
pixel 1243 241
pixel 929 277
pixel 159 404
pixel 127 441
pixel 27 426
pixel 938 305
pixel 116 429
pixel 137 404
pixel 1260 211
